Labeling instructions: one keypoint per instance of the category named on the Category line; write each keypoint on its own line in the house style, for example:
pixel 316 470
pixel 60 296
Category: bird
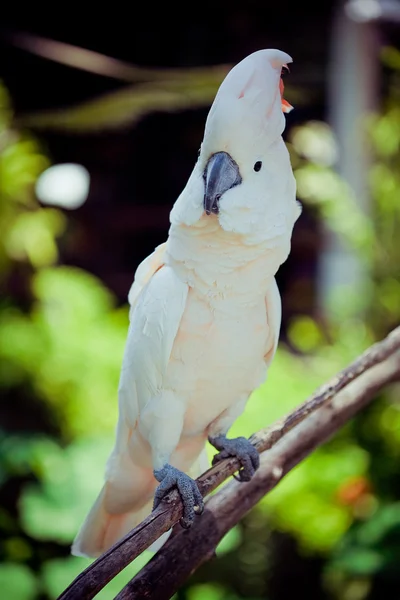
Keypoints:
pixel 205 310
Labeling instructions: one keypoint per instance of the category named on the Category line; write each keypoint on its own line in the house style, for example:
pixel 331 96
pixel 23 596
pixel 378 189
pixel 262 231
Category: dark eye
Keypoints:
pixel 258 166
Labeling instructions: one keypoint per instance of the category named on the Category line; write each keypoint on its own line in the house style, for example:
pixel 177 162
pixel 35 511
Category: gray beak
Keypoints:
pixel 220 175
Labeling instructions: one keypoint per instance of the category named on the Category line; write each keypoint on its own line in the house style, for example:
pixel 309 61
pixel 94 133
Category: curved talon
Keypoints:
pixel 170 477
pixel 199 509
pixel 184 524
pixel 243 477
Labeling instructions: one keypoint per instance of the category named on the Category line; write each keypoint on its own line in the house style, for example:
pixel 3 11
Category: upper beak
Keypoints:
pixel 220 175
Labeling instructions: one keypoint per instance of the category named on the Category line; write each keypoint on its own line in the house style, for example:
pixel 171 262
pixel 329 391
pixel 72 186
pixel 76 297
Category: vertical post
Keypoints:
pixel 353 93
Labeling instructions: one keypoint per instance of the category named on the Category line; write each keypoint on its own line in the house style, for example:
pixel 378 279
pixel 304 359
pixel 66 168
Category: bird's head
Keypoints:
pixel 243 176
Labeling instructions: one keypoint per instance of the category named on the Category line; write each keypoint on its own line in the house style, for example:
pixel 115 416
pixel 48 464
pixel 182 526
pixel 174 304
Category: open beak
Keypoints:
pixel 286 107
pixel 220 175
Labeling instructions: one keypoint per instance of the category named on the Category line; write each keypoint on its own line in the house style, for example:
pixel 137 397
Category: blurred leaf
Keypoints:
pixel 125 107
pixel 315 142
pixel 207 591
pixel 308 495
pixel 32 236
pixel 70 479
pixel 361 562
pixel 17 582
pixel 22 233
pixel 17 549
pixel 323 188
pixel 304 334
pixel 91 61
pixel 5 111
pixel 71 347
pixel 385 132
pixel 229 542
pixel 391 57
pixel 19 454
pixel 167 91
pixel 383 522
pixel 57 575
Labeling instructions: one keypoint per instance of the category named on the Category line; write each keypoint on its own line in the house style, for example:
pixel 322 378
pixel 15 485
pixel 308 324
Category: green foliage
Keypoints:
pixel 68 480
pixel 171 90
pixel 371 546
pixel 26 231
pixel 70 347
pixel 309 495
pixel 182 90
pixel 17 581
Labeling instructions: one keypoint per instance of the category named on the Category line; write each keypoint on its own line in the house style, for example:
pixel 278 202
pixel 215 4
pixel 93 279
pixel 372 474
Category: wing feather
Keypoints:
pixel 145 272
pixel 155 320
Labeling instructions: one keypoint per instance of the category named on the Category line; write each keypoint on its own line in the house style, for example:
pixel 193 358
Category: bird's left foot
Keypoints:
pixel 241 449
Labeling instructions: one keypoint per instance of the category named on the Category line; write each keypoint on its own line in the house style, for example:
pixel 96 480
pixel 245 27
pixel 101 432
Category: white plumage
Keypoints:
pixel 205 316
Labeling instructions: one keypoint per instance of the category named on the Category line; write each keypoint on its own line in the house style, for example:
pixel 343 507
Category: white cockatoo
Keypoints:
pixel 205 309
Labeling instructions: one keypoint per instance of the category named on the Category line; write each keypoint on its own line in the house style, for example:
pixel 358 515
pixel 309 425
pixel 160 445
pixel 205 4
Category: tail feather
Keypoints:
pixel 101 529
pixel 124 501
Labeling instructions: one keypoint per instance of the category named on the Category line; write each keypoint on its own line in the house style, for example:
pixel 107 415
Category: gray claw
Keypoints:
pixel 170 477
pixel 242 449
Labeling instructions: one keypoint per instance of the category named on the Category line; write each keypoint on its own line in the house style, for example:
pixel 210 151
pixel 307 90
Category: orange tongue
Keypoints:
pixel 286 107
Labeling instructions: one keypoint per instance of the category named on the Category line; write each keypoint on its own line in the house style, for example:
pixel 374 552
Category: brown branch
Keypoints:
pixel 101 571
pixel 187 550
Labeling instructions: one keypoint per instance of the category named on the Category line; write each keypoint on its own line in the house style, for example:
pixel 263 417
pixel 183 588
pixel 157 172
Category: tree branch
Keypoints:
pixel 186 551
pixel 378 366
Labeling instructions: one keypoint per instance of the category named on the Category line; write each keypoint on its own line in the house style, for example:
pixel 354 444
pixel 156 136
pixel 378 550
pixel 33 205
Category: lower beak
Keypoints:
pixel 220 175
pixel 286 107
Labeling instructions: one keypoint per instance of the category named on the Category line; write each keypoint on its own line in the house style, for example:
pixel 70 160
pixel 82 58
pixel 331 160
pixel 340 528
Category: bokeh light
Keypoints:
pixel 65 185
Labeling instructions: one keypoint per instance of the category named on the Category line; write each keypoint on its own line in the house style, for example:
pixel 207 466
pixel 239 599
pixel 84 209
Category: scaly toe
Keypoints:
pixel 242 449
pixel 192 500
pixel 220 456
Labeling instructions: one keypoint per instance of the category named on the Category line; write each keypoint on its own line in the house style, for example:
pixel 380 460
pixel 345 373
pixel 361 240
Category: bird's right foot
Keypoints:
pixel 170 477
